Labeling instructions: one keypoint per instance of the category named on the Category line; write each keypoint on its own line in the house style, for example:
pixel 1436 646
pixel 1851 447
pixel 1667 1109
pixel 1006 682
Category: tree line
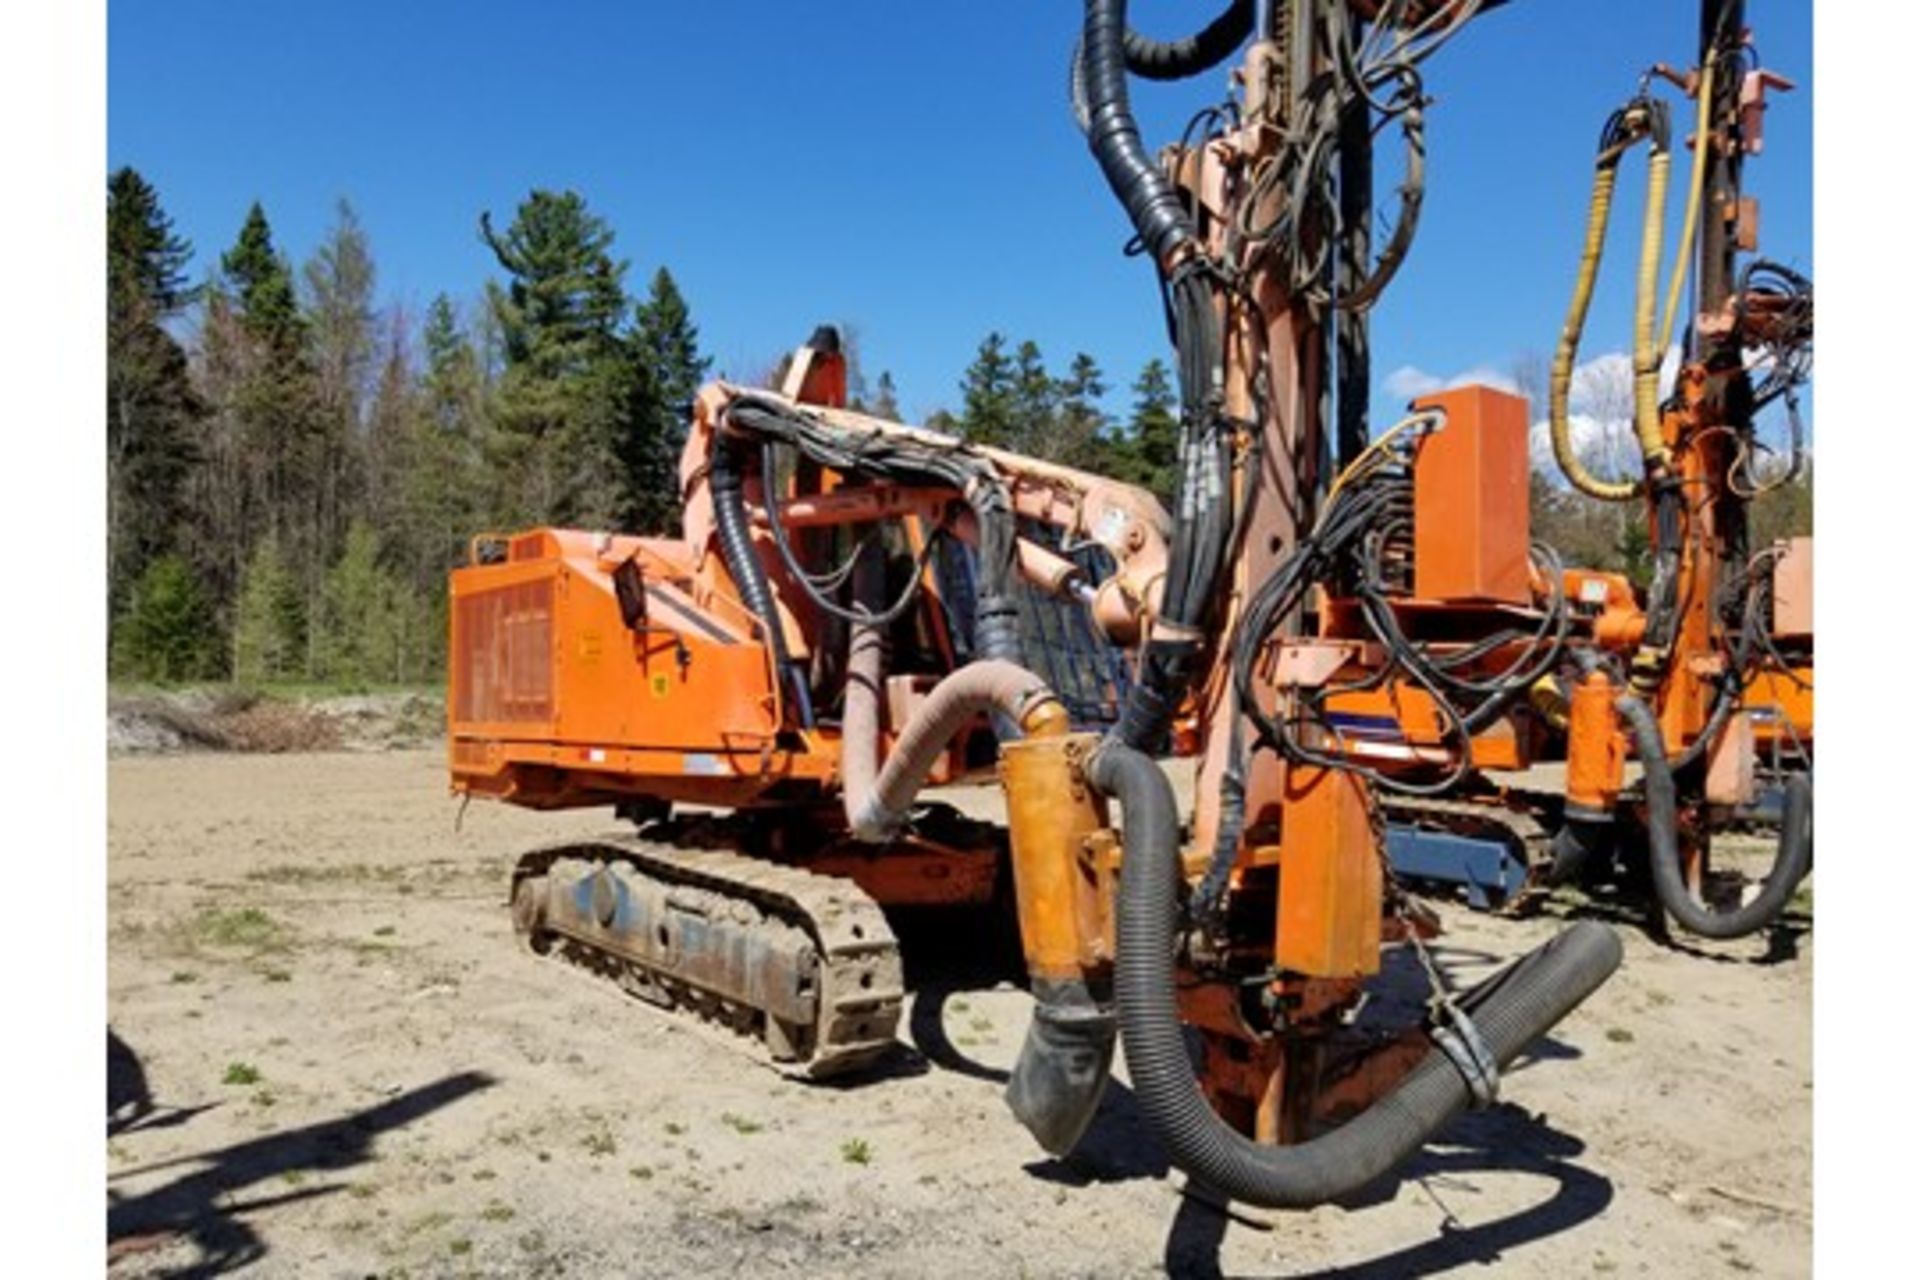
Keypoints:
pixel 294 467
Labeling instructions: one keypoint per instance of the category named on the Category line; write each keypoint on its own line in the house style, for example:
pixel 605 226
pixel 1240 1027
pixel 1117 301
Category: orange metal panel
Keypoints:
pixel 1330 881
pixel 1470 500
pixel 1793 590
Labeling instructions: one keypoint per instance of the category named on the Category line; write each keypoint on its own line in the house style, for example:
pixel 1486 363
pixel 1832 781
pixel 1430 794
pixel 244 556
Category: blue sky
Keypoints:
pixel 909 168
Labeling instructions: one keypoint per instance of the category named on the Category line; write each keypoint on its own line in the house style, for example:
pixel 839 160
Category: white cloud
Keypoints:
pixel 1410 382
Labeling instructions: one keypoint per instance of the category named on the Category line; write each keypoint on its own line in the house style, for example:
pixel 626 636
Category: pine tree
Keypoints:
pixel 1035 398
pixel 1080 424
pixel 167 632
pixel 886 403
pixel 567 384
pixel 668 370
pixel 1153 433
pixel 363 627
pixel 258 278
pixel 341 329
pixel 151 404
pixel 270 620
pixel 987 394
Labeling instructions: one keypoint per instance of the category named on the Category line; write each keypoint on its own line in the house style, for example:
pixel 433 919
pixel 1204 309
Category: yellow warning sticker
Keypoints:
pixel 659 683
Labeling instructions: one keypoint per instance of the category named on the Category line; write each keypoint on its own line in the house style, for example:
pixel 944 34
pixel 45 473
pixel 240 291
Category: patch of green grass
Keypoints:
pixel 241 1073
pixel 248 927
pixel 293 1177
pixel 484 1175
pixel 640 1171
pixel 602 1143
pixel 534 1241
pixel 264 1098
pixel 363 1191
pixel 276 975
pixel 497 1212
pixel 427 1222
pixel 1619 1035
pixel 981 1024
pixel 856 1151
pixel 740 1123
pixel 384 931
pixel 958 1005
pixel 183 976
pixel 460 1247
pixel 1659 999
pixel 674 1128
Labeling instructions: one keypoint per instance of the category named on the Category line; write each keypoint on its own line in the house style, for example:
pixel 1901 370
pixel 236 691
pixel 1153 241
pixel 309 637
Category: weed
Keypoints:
pixel 427 1222
pixel 739 1123
pixel 981 1024
pixel 293 1177
pixel 1659 999
pixel 460 1246
pixel 484 1175
pixel 674 1128
pixel 856 1151
pixel 183 976
pixel 497 1212
pixel 241 1073
pixel 958 1005
pixel 1619 1035
pixel 247 927
pixel 363 1191
pixel 264 1098
pixel 640 1171
pixel 384 931
pixel 601 1143
pixel 534 1241
pixel 276 975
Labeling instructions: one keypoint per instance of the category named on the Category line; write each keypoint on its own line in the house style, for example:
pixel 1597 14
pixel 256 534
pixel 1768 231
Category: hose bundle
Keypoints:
pixel 752 418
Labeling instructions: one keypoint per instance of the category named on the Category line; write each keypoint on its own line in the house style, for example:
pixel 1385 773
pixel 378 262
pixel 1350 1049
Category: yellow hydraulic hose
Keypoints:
pixel 1641 119
pixel 1690 222
pixel 1646 355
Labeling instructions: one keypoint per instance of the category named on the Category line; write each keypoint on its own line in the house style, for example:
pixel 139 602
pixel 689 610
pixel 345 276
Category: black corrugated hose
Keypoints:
pixel 1792 858
pixel 1510 1011
pixel 724 480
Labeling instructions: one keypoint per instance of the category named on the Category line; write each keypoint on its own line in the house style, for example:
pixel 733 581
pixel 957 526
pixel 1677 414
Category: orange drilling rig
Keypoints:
pixel 1708 680
pixel 856 609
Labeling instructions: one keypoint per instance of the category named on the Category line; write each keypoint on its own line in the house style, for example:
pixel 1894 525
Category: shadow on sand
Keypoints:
pixel 205 1206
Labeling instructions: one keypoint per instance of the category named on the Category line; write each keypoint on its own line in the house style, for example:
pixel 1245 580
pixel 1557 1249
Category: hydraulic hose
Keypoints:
pixel 1152 59
pixel 1791 860
pixel 1202 51
pixel 986 685
pixel 1641 118
pixel 725 481
pixel 1696 185
pixel 1151 203
pixel 1510 1011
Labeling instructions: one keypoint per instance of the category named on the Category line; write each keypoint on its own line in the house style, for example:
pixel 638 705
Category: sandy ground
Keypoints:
pixel 352 1071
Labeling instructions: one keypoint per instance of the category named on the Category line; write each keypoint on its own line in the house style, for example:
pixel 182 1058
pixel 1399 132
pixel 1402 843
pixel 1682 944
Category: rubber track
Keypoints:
pixel 856 1021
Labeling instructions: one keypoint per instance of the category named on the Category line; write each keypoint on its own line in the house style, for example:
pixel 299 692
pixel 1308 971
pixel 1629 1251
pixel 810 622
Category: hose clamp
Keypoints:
pixel 1461 1041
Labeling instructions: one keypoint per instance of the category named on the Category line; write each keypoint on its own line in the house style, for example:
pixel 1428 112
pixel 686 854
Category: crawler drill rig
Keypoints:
pixel 1708 680
pixel 857 608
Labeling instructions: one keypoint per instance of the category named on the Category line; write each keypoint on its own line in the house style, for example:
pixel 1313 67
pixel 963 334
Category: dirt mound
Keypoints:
pixel 244 721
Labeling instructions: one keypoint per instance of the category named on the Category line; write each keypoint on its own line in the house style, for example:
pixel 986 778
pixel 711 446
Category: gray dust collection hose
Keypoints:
pixel 1511 1010
pixel 1791 860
